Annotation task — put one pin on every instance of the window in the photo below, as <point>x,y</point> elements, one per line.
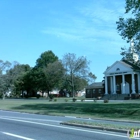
<point>93,90</point>
<point>88,91</point>
<point>99,90</point>
<point>117,69</point>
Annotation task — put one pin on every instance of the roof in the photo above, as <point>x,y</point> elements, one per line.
<point>95,85</point>
<point>131,64</point>
<point>122,66</point>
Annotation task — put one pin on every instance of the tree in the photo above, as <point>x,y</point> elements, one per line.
<point>15,77</point>
<point>80,83</point>
<point>4,66</point>
<point>48,72</point>
<point>129,28</point>
<point>92,77</point>
<point>53,75</point>
<point>75,67</point>
<point>46,58</point>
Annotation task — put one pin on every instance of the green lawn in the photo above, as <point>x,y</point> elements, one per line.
<point>129,110</point>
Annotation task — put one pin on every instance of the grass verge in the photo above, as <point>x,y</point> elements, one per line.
<point>112,110</point>
<point>103,125</point>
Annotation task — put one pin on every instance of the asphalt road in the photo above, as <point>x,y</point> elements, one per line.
<point>22,126</point>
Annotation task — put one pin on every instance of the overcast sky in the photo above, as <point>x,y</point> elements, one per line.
<point>84,27</point>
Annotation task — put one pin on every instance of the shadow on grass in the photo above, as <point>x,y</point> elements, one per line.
<point>130,111</point>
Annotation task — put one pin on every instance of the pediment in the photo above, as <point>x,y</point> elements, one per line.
<point>119,67</point>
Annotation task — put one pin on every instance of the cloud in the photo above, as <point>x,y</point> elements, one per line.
<point>63,33</point>
<point>92,24</point>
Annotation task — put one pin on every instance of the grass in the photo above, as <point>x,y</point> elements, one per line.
<point>129,110</point>
<point>104,125</point>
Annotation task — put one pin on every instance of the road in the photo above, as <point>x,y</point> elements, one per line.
<point>22,126</point>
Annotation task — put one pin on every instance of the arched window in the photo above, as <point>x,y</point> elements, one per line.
<point>117,69</point>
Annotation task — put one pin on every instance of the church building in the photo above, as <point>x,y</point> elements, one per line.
<point>122,77</point>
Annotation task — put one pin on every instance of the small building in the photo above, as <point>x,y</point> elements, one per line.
<point>81,93</point>
<point>95,90</point>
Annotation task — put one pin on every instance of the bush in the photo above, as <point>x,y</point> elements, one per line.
<point>1,95</point>
<point>74,99</point>
<point>55,100</point>
<point>66,100</point>
<point>37,96</point>
<point>51,96</point>
<point>95,100</point>
<point>106,101</point>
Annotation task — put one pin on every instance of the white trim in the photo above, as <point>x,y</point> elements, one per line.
<point>121,63</point>
<point>106,85</point>
<point>111,84</point>
<point>114,84</point>
<point>133,83</point>
<point>123,84</point>
<point>138,76</point>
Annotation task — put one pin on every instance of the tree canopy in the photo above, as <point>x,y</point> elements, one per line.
<point>129,28</point>
<point>77,68</point>
<point>4,66</point>
<point>44,76</point>
<point>46,58</point>
<point>70,73</point>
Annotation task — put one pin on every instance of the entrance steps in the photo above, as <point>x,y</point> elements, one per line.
<point>115,97</point>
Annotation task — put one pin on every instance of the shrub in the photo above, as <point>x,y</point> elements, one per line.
<point>74,99</point>
<point>55,100</point>
<point>1,95</point>
<point>51,96</point>
<point>37,96</point>
<point>66,100</point>
<point>95,100</point>
<point>106,101</point>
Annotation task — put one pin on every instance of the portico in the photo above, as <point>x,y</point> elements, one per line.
<point>122,78</point>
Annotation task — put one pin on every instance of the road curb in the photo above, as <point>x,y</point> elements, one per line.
<point>95,127</point>
<point>113,120</point>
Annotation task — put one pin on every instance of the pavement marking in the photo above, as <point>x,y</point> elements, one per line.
<point>17,136</point>
<point>70,117</point>
<point>70,128</point>
<point>31,119</point>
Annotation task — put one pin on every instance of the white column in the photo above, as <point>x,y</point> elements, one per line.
<point>123,84</point>
<point>106,85</point>
<point>133,83</point>
<point>138,75</point>
<point>111,84</point>
<point>114,84</point>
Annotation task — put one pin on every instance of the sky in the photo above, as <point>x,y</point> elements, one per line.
<point>83,27</point>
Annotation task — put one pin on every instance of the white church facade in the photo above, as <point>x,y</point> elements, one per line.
<point>122,78</point>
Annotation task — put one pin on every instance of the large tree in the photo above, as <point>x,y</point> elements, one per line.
<point>53,75</point>
<point>129,28</point>
<point>48,72</point>
<point>46,58</point>
<point>75,67</point>
<point>15,77</point>
<point>4,66</point>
